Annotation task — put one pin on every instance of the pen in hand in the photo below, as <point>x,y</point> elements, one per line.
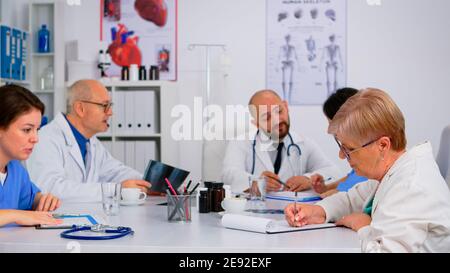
<point>279,181</point>
<point>295,209</point>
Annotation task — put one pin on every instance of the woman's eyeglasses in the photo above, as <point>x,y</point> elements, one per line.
<point>347,151</point>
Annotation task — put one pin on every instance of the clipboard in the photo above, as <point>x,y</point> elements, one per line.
<point>71,220</point>
<point>302,197</point>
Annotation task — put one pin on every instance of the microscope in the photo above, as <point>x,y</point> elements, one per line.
<point>104,62</point>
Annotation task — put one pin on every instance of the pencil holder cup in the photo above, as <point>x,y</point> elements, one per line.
<point>179,208</point>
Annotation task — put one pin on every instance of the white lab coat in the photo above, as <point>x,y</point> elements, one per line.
<point>57,167</point>
<point>411,208</point>
<point>238,160</point>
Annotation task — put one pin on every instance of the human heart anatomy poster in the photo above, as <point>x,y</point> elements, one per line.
<point>141,32</point>
<point>306,49</point>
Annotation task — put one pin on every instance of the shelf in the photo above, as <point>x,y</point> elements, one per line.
<point>129,83</point>
<point>51,54</point>
<point>42,2</point>
<point>127,144</point>
<point>48,91</point>
<point>3,80</point>
<point>131,136</point>
<point>104,136</point>
<point>49,13</point>
<point>140,136</point>
<point>135,83</point>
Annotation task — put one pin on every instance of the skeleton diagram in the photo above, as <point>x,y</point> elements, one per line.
<point>287,55</point>
<point>311,48</point>
<point>332,54</point>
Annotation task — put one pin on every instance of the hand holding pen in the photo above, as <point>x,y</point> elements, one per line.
<point>298,215</point>
<point>299,183</point>
<point>295,215</point>
<point>273,182</point>
<point>318,183</point>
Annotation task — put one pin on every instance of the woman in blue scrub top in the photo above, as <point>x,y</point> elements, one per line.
<point>330,108</point>
<point>21,202</point>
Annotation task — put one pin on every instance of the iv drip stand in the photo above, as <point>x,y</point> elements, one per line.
<point>208,48</point>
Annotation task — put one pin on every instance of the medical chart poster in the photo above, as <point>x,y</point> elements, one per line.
<point>142,32</point>
<point>306,49</point>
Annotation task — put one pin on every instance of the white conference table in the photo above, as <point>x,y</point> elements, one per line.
<point>154,234</point>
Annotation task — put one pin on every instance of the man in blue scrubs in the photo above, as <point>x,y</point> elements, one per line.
<point>330,108</point>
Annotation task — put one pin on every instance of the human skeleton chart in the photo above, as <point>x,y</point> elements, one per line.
<point>306,49</point>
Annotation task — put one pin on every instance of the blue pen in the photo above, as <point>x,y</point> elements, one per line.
<point>310,199</point>
<point>279,181</point>
<point>305,199</point>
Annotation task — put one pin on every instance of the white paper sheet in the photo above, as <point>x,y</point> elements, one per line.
<point>290,194</point>
<point>265,225</point>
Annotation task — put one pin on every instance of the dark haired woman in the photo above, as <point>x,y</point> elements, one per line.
<point>20,118</point>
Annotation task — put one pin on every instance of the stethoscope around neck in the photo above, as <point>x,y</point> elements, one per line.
<point>291,146</point>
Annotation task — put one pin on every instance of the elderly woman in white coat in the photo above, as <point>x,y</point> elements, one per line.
<point>405,207</point>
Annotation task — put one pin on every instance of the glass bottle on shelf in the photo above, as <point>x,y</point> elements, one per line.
<point>47,78</point>
<point>44,40</point>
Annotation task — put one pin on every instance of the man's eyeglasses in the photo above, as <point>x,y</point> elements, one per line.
<point>106,106</point>
<point>347,151</point>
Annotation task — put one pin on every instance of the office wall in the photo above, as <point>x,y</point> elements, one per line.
<point>14,13</point>
<point>401,46</point>
<point>82,23</point>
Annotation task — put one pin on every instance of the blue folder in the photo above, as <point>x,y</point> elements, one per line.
<point>5,37</point>
<point>17,42</point>
<point>23,66</point>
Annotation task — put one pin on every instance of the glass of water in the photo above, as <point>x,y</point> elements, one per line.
<point>257,188</point>
<point>111,198</point>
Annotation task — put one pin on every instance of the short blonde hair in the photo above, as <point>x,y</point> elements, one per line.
<point>368,115</point>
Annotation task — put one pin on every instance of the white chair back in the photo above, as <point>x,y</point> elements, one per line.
<point>443,157</point>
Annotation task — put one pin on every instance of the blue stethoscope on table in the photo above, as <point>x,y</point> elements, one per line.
<point>112,232</point>
<point>291,146</point>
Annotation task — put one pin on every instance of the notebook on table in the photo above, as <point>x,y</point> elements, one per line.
<point>302,197</point>
<point>265,225</point>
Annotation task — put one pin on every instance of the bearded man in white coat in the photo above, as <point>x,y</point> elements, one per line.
<point>275,152</point>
